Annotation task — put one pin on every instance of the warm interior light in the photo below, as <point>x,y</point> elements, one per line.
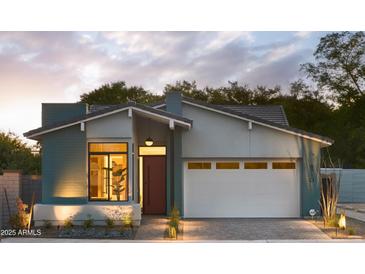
<point>148,142</point>
<point>342,222</point>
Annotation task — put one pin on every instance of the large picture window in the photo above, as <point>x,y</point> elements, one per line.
<point>108,171</point>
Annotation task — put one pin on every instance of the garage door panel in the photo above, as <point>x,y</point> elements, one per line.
<point>241,193</point>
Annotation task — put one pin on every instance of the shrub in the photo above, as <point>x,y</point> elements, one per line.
<point>109,223</point>
<point>333,222</point>
<point>174,219</point>
<point>68,224</point>
<point>172,232</point>
<point>174,223</point>
<point>127,220</point>
<point>47,224</point>
<point>351,231</point>
<point>21,218</point>
<point>329,192</point>
<point>89,222</point>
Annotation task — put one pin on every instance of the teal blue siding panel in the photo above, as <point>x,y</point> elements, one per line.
<point>168,177</point>
<point>174,105</point>
<point>310,176</point>
<point>55,113</point>
<point>64,173</point>
<point>178,171</point>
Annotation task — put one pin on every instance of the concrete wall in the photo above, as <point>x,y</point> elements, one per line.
<point>10,181</point>
<point>352,184</point>
<point>57,214</point>
<point>217,135</point>
<point>17,185</point>
<point>30,184</point>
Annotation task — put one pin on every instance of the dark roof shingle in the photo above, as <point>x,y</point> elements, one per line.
<point>273,113</point>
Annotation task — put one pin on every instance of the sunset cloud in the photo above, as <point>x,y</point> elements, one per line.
<point>38,67</point>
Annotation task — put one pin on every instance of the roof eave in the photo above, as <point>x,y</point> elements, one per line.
<point>301,133</point>
<point>180,121</point>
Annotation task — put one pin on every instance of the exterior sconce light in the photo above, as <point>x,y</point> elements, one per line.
<point>148,142</point>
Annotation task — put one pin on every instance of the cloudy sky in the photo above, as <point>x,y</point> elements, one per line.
<point>38,67</point>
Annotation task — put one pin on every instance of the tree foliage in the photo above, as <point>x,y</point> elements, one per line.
<point>332,103</point>
<point>339,67</point>
<point>118,93</point>
<point>15,154</point>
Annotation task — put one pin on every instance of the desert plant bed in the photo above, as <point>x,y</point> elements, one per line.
<point>355,229</point>
<point>95,232</point>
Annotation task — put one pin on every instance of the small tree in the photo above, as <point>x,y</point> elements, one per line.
<point>15,154</point>
<point>21,218</point>
<point>329,192</point>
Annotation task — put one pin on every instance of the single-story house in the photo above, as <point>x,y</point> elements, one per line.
<point>209,161</point>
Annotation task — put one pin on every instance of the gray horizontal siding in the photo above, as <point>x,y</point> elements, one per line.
<point>352,186</point>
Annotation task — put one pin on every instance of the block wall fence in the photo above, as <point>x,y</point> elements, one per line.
<point>17,185</point>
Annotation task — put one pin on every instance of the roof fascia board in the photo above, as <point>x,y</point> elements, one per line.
<point>188,125</point>
<point>107,114</point>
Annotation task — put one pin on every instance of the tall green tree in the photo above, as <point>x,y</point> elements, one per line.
<point>118,93</point>
<point>15,154</point>
<point>339,67</point>
<point>232,94</point>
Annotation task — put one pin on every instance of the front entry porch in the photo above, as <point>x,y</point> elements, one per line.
<point>153,191</point>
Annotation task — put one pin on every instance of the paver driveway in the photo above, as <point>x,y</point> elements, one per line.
<point>251,229</point>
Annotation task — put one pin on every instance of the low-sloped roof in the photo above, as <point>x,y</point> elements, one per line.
<point>261,121</point>
<point>273,113</point>
<point>96,113</point>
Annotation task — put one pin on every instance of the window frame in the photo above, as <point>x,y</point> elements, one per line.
<point>272,165</point>
<point>202,163</point>
<point>250,162</point>
<point>108,182</point>
<point>225,168</point>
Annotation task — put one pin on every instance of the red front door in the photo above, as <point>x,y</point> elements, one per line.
<point>154,185</point>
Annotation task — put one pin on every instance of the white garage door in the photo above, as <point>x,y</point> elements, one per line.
<point>245,189</point>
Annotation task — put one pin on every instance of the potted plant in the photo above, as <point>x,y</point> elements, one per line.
<point>118,185</point>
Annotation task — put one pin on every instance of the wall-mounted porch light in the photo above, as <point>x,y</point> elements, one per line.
<point>148,142</point>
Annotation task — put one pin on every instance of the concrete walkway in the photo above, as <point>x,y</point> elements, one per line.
<point>152,228</point>
<point>251,229</point>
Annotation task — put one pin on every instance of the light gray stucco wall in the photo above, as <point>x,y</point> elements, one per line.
<point>214,135</point>
<point>117,125</point>
<point>217,135</point>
